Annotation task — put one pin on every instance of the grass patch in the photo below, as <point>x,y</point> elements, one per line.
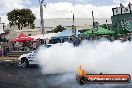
<point>2,58</point>
<point>9,59</point>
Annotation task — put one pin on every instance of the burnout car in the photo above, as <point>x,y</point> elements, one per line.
<point>27,59</point>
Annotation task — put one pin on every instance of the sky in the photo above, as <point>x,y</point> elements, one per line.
<point>63,8</point>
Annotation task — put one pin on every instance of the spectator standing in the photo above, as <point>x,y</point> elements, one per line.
<point>0,49</point>
<point>34,46</point>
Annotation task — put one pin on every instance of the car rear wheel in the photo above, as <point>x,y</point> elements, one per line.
<point>24,63</point>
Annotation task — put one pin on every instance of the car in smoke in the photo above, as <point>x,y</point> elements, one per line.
<point>83,78</point>
<point>27,59</point>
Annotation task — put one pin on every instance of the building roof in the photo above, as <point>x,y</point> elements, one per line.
<point>66,22</point>
<point>26,30</point>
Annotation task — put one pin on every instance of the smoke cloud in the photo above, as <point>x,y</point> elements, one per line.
<point>95,57</point>
<point>62,61</point>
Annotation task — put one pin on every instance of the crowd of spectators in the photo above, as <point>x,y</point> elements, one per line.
<point>77,40</point>
<point>6,47</point>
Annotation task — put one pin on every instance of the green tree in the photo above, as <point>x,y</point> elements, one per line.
<point>21,18</point>
<point>59,28</point>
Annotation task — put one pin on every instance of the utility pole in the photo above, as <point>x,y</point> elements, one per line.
<point>93,29</point>
<point>73,26</point>
<point>41,16</point>
<point>3,24</point>
<point>93,19</point>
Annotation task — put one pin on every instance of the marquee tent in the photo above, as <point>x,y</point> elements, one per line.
<point>22,38</point>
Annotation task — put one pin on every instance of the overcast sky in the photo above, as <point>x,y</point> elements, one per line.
<point>64,8</point>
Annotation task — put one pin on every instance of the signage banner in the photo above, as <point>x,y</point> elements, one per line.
<point>115,11</point>
<point>125,10</point>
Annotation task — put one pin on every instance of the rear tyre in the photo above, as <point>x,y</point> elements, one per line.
<point>25,63</point>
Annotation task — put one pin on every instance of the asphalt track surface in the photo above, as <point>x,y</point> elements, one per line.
<point>13,76</point>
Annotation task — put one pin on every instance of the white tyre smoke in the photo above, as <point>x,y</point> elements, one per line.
<point>100,56</point>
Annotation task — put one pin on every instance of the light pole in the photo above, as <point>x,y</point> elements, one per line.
<point>73,25</point>
<point>93,19</point>
<point>41,16</point>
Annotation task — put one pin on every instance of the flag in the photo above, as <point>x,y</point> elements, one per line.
<point>121,6</point>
